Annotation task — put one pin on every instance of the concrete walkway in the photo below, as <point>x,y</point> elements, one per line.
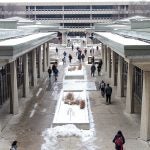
<point>37,111</point>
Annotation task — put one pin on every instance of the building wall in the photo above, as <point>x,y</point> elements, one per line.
<point>74,14</point>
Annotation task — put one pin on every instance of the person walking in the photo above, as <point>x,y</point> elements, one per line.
<point>53,68</point>
<point>82,57</point>
<point>98,69</point>
<point>70,57</point>
<point>93,68</point>
<point>14,145</point>
<point>85,51</point>
<point>72,47</point>
<point>102,88</point>
<point>64,60</point>
<point>49,72</point>
<point>64,53</point>
<point>108,91</point>
<point>56,73</point>
<point>119,140</point>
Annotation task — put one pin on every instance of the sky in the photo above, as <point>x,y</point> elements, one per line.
<point>78,1</point>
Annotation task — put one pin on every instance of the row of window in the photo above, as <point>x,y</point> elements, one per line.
<point>47,16</point>
<point>77,7</point>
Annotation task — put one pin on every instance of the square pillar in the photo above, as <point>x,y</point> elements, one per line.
<point>113,68</point>
<point>26,76</point>
<point>44,58</point>
<point>48,57</point>
<point>145,112</point>
<point>105,58</point>
<point>119,77</point>
<point>34,75</point>
<point>109,62</point>
<point>102,52</point>
<point>129,95</point>
<point>14,105</point>
<point>40,68</point>
<point>64,38</point>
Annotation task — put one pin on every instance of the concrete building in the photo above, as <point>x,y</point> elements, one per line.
<point>125,50</point>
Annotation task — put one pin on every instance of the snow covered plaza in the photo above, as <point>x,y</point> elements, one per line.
<point>70,113</point>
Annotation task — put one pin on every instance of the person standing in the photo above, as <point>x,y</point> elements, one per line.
<point>108,91</point>
<point>102,88</point>
<point>119,140</point>
<point>97,48</point>
<point>14,145</point>
<point>93,68</point>
<point>93,59</point>
<point>49,72</point>
<point>70,58</point>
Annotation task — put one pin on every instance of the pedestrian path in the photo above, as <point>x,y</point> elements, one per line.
<point>106,120</point>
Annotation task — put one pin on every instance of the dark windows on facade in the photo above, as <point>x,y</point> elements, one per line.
<point>76,7</point>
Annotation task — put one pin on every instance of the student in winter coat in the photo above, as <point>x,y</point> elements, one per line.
<point>119,140</point>
<point>14,145</point>
<point>93,68</point>
<point>70,58</point>
<point>108,91</point>
<point>49,72</point>
<point>82,56</point>
<point>102,88</point>
<point>53,68</point>
<point>56,73</point>
<point>98,69</point>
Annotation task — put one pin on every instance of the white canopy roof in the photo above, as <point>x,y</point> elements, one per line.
<point>69,1</point>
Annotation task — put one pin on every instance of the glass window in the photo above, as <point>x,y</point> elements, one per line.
<point>102,7</point>
<point>77,7</point>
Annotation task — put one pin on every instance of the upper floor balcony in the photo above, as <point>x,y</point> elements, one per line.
<point>73,20</point>
<point>67,11</point>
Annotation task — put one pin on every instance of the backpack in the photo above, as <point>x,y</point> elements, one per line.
<point>119,141</point>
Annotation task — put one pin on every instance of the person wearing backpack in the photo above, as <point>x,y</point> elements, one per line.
<point>14,145</point>
<point>119,140</point>
<point>102,88</point>
<point>108,92</point>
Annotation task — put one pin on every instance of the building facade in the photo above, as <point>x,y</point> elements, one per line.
<point>82,14</point>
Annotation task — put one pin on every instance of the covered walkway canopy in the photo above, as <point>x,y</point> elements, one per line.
<point>135,51</point>
<point>12,48</point>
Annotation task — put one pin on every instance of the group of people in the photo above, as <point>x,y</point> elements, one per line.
<point>93,67</point>
<point>53,70</point>
<point>106,89</point>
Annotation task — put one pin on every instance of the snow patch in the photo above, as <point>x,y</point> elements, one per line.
<point>51,136</point>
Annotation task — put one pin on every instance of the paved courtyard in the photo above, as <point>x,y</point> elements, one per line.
<point>37,112</point>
